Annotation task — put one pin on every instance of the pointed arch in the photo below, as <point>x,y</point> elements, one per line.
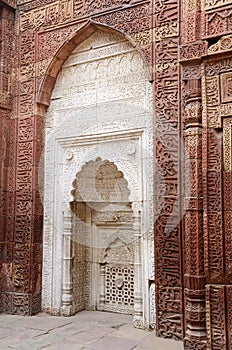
<point>48,82</point>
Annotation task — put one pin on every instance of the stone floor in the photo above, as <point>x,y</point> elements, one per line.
<point>87,330</point>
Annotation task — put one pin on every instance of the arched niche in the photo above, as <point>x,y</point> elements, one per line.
<point>100,108</point>
<point>103,274</point>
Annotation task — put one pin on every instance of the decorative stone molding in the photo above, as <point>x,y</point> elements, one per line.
<point>209,4</point>
<point>193,51</point>
<point>224,44</point>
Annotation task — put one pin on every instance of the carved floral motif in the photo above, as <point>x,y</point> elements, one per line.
<point>218,22</point>
<point>193,51</point>
<point>223,44</point>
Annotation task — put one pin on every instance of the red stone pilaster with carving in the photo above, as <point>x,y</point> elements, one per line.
<point>217,198</point>
<point>194,278</point>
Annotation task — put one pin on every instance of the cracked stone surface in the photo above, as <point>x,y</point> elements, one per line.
<point>87,330</point>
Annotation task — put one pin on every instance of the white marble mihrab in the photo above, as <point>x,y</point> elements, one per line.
<point>101,107</point>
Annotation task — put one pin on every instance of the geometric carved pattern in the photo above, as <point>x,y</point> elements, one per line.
<point>218,22</point>
<point>119,285</point>
<point>79,271</point>
<point>119,277</point>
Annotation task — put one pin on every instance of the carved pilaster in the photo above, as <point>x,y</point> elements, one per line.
<point>138,299</point>
<point>194,280</point>
<point>102,286</point>
<point>67,308</point>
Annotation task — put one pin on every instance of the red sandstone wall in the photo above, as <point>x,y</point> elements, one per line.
<point>192,98</point>
<point>6,206</point>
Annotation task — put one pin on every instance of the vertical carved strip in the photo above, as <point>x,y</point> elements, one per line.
<point>6,38</point>
<point>229,315</point>
<point>227,192</point>
<point>212,182</point>
<point>217,225</point>
<point>214,238</point>
<point>227,206</point>
<point>216,318</point>
<point>167,190</point>
<point>191,20</point>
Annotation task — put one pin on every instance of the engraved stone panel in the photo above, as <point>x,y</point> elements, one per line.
<point>226,87</point>
<point>52,14</point>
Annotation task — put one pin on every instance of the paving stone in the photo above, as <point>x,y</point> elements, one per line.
<point>70,329</point>
<point>20,340</point>
<point>63,345</point>
<point>4,318</point>
<point>128,331</point>
<point>113,343</point>
<point>85,331</point>
<point>44,323</point>
<point>91,334</point>
<point>151,342</point>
